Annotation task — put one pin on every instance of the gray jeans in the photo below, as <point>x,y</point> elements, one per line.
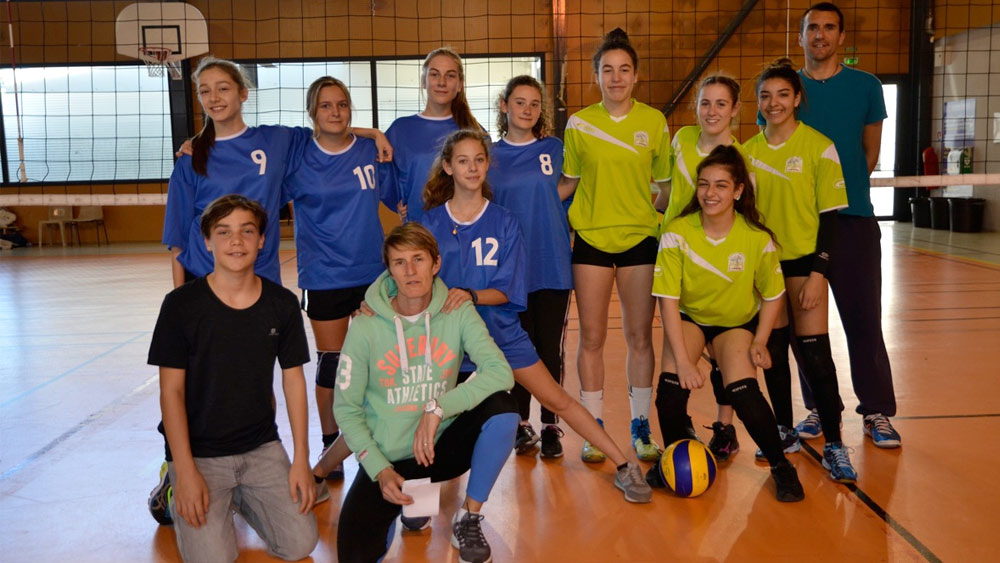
<point>255,485</point>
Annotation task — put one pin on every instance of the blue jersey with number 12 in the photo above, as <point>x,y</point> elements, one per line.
<point>338,234</point>
<point>524,178</point>
<point>251,163</point>
<point>486,253</point>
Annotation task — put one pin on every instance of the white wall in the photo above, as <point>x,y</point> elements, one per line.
<point>967,65</point>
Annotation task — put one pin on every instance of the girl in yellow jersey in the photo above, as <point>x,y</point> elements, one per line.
<point>717,268</point>
<point>718,103</point>
<point>614,149</point>
<point>801,187</point>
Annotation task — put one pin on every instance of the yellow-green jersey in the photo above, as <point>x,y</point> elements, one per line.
<point>685,156</point>
<point>796,181</point>
<point>615,158</point>
<point>718,282</point>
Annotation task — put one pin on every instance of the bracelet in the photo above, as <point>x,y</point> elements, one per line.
<point>474,295</point>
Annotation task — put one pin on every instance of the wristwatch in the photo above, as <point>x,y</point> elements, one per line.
<point>433,407</point>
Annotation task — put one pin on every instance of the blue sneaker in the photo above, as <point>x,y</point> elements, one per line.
<point>810,427</point>
<point>789,442</point>
<point>837,460</point>
<point>645,448</point>
<point>881,431</point>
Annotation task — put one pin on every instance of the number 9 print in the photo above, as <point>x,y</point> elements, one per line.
<point>259,157</point>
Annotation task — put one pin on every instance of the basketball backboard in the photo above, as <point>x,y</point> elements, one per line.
<point>161,33</point>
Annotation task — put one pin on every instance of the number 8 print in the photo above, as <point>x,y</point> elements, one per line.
<point>546,161</point>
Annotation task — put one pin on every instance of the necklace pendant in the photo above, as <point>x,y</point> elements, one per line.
<point>454,230</point>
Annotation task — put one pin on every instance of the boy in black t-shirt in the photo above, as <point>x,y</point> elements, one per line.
<point>216,341</point>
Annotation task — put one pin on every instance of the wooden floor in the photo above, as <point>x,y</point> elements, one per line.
<point>79,451</point>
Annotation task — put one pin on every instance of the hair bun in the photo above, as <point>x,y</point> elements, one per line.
<point>617,35</point>
<point>783,61</point>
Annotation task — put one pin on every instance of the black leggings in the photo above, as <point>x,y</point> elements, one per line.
<point>365,517</point>
<point>545,322</point>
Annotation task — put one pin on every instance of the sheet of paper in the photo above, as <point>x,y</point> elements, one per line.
<point>426,497</point>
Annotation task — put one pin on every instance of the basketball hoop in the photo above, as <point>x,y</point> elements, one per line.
<point>157,61</point>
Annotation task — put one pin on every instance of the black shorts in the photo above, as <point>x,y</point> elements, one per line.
<point>711,332</point>
<point>641,254</point>
<point>799,267</point>
<point>332,304</point>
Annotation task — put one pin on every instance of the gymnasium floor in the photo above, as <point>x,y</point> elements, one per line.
<point>79,451</point>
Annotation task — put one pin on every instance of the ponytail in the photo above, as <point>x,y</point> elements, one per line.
<point>460,110</point>
<point>202,143</point>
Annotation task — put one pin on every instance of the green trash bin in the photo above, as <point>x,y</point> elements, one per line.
<point>966,214</point>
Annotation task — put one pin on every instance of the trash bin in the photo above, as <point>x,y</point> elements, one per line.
<point>940,213</point>
<point>920,208</point>
<point>967,214</point>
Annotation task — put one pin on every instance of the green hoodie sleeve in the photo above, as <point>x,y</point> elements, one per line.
<point>349,398</point>
<point>492,370</point>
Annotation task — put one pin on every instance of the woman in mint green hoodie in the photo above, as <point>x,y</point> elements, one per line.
<point>399,406</point>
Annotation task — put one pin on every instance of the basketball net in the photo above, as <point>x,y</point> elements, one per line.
<point>156,59</point>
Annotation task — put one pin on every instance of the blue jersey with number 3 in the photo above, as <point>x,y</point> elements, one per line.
<point>487,253</point>
<point>251,163</point>
<point>525,178</point>
<point>338,234</point>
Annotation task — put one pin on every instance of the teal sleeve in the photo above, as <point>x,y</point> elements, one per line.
<point>493,373</point>
<point>349,399</point>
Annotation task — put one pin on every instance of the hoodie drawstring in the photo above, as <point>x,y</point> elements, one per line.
<point>401,342</point>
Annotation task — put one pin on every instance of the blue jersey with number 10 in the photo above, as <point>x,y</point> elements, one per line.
<point>487,253</point>
<point>416,141</point>
<point>525,178</point>
<point>251,163</point>
<point>338,234</point>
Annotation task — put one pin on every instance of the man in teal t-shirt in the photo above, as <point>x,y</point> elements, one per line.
<point>847,106</point>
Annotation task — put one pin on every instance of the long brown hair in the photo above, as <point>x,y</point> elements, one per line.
<point>729,157</point>
<point>440,185</point>
<point>203,142</point>
<point>543,125</point>
<point>460,111</point>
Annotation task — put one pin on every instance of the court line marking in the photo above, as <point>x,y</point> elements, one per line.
<point>868,501</point>
<point>952,257</point>
<point>24,394</point>
<point>948,319</point>
<point>93,417</point>
<point>939,416</point>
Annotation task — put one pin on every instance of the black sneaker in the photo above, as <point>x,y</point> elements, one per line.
<point>653,476</point>
<point>160,498</point>
<point>691,432</point>
<point>723,443</point>
<point>414,524</point>
<point>551,446</point>
<point>786,482</point>
<point>467,536</point>
<point>526,439</point>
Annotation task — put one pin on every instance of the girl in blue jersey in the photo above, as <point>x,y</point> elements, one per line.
<point>800,185</point>
<point>719,284</point>
<point>417,139</point>
<point>717,104</point>
<point>614,149</point>
<point>524,175</point>
<point>483,261</point>
<point>227,157</point>
<point>334,185</point>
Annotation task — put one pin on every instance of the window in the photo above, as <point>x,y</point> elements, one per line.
<point>113,122</point>
<point>882,198</point>
<point>87,123</point>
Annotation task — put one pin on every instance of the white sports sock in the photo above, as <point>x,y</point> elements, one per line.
<point>639,399</point>
<point>593,401</point>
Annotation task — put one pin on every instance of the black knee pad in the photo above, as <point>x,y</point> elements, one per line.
<point>718,387</point>
<point>777,344</point>
<point>326,368</point>
<point>744,390</point>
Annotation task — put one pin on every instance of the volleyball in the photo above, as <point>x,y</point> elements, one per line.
<point>688,468</point>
